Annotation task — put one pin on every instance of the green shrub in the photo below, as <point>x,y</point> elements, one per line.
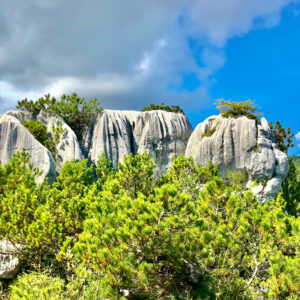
<point>43,286</point>
<point>18,171</point>
<point>57,132</point>
<point>45,217</point>
<point>171,245</point>
<point>136,174</point>
<point>211,131</point>
<point>185,235</point>
<point>104,170</point>
<point>234,109</point>
<point>290,189</point>
<point>237,178</point>
<point>77,112</point>
<point>284,137</point>
<point>39,131</point>
<point>296,160</point>
<point>174,108</point>
<point>37,286</point>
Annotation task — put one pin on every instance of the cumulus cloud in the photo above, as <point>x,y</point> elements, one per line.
<point>297,137</point>
<point>221,20</point>
<point>126,53</point>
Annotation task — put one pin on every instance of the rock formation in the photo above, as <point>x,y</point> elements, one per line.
<point>231,144</point>
<point>241,145</point>
<point>68,147</point>
<point>163,135</point>
<point>9,263</point>
<point>14,137</point>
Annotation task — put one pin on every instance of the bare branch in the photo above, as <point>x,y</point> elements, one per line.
<point>257,268</point>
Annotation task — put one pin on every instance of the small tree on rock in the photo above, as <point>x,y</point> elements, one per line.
<point>283,136</point>
<point>235,109</point>
<point>77,112</point>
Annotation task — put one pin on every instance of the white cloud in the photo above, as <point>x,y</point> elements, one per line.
<point>102,84</point>
<point>125,53</point>
<point>9,95</point>
<point>221,20</point>
<point>297,137</point>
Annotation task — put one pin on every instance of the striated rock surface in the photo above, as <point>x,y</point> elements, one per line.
<point>68,147</point>
<point>241,145</point>
<point>110,133</point>
<point>14,137</point>
<point>9,263</point>
<point>231,144</point>
<point>163,135</point>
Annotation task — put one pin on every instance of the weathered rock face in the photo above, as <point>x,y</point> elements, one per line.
<point>110,133</point>
<point>14,137</point>
<point>231,144</point>
<point>162,134</point>
<point>241,145</point>
<point>9,263</point>
<point>68,147</point>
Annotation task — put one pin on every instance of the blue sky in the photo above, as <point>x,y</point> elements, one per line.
<point>264,66</point>
<point>129,54</point>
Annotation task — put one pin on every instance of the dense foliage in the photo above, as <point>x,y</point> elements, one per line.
<point>284,137</point>
<point>76,111</point>
<point>173,108</point>
<point>296,160</point>
<point>127,235</point>
<point>290,189</point>
<point>233,109</point>
<point>40,132</point>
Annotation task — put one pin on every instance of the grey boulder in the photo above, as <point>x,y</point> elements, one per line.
<point>9,263</point>
<point>241,145</point>
<point>68,147</point>
<point>14,137</point>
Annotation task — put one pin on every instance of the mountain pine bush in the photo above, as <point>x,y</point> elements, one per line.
<point>127,235</point>
<point>173,108</point>
<point>233,109</point>
<point>77,112</point>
